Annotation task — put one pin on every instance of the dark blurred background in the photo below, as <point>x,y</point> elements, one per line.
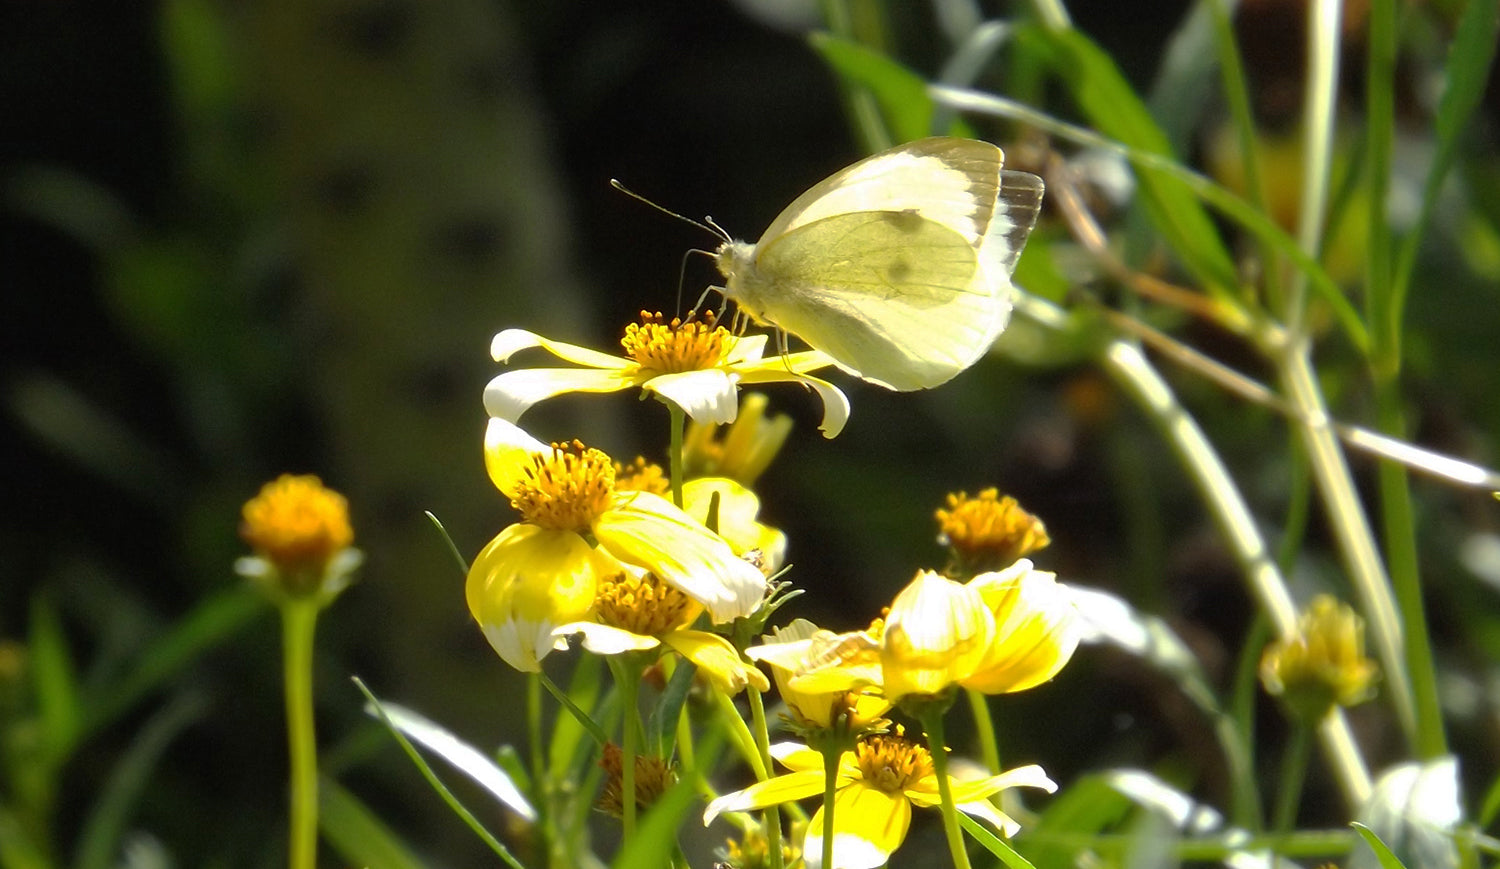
<point>247,238</point>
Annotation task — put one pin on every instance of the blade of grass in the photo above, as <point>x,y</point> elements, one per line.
<point>55,680</point>
<point>358,835</point>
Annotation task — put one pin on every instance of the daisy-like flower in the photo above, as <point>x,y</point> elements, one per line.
<point>878,783</point>
<point>697,365</point>
<point>988,532</point>
<point>542,572</point>
<point>635,611</point>
<point>302,539</point>
<point>1324,665</point>
<point>801,648</point>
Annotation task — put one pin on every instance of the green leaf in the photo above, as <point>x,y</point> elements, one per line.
<point>901,94</point>
<point>656,835</point>
<point>464,757</point>
<point>661,729</point>
<point>992,843</point>
<point>355,832</point>
<point>1382,853</point>
<point>55,679</point>
<point>99,841</point>
<point>1114,108</point>
<point>213,621</point>
<point>1083,810</point>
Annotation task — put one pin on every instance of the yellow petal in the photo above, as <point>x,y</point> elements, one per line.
<point>738,509</point>
<point>511,394</point>
<point>868,826</point>
<point>935,635</point>
<point>508,452</point>
<point>774,791</point>
<point>1037,628</point>
<point>835,403</point>
<point>527,581</point>
<point>718,660</point>
<point>512,341</point>
<point>648,531</point>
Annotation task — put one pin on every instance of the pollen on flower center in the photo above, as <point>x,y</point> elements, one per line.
<point>891,762</point>
<point>671,347</point>
<point>992,526</point>
<point>642,605</point>
<point>295,522</point>
<point>566,489</point>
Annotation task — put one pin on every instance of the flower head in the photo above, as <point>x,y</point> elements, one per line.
<point>801,649</point>
<point>877,785</point>
<point>988,532</point>
<point>634,611</point>
<point>653,777</point>
<point>1324,665</point>
<point>301,536</point>
<point>543,571</point>
<point>694,364</point>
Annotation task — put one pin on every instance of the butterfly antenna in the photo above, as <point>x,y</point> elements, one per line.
<point>709,227</point>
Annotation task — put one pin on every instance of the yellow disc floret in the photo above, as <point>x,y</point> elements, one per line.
<point>670,347</point>
<point>566,489</point>
<point>296,524</point>
<point>643,605</point>
<point>989,532</point>
<point>891,762</point>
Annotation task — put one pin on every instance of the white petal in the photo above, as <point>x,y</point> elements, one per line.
<point>606,639</point>
<point>707,395</point>
<point>511,394</point>
<point>835,403</point>
<point>512,341</point>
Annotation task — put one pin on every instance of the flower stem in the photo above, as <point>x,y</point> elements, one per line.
<point>772,819</point>
<point>299,619</point>
<point>678,424</point>
<point>1293,771</point>
<point>931,717</point>
<point>831,756</point>
<point>984,728</point>
<point>629,679</point>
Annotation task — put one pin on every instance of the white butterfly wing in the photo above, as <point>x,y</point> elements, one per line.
<point>952,181</point>
<point>893,297</point>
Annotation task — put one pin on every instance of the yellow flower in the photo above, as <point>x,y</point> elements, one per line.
<point>988,532</point>
<point>302,538</point>
<point>746,449</point>
<point>1324,664</point>
<point>1001,632</point>
<point>736,523</point>
<point>696,365</point>
<point>937,634</point>
<point>634,611</point>
<point>878,783</point>
<point>802,648</point>
<point>1037,629</point>
<point>542,572</point>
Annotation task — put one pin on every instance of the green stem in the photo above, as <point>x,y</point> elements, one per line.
<point>772,818</point>
<point>1222,498</point>
<point>984,728</point>
<point>674,458</point>
<point>832,754</point>
<point>582,717</point>
<point>629,679</point>
<point>1293,773</point>
<point>932,722</point>
<point>299,620</point>
<point>1323,20</point>
<point>534,726</point>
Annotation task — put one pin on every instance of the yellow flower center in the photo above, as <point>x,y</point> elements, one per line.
<point>891,762</point>
<point>643,605</point>
<point>671,347</point>
<point>296,523</point>
<point>566,489</point>
<point>642,476</point>
<point>989,531</point>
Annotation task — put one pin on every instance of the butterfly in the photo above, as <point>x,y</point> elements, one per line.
<point>898,267</point>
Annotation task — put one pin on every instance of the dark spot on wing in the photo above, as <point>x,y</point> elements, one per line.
<point>907,221</point>
<point>898,271</point>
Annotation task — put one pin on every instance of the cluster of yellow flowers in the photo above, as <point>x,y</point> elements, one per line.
<point>621,566</point>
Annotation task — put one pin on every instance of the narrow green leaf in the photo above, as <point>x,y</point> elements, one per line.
<point>992,843</point>
<point>17,849</point>
<point>1469,62</point>
<point>1115,109</point>
<point>55,679</point>
<point>1382,853</point>
<point>355,832</point>
<point>901,93</point>
<point>1491,807</point>
<point>661,729</point>
<point>213,621</point>
<point>99,840</point>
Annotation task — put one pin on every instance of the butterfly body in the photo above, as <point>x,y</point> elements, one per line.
<point>898,267</point>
